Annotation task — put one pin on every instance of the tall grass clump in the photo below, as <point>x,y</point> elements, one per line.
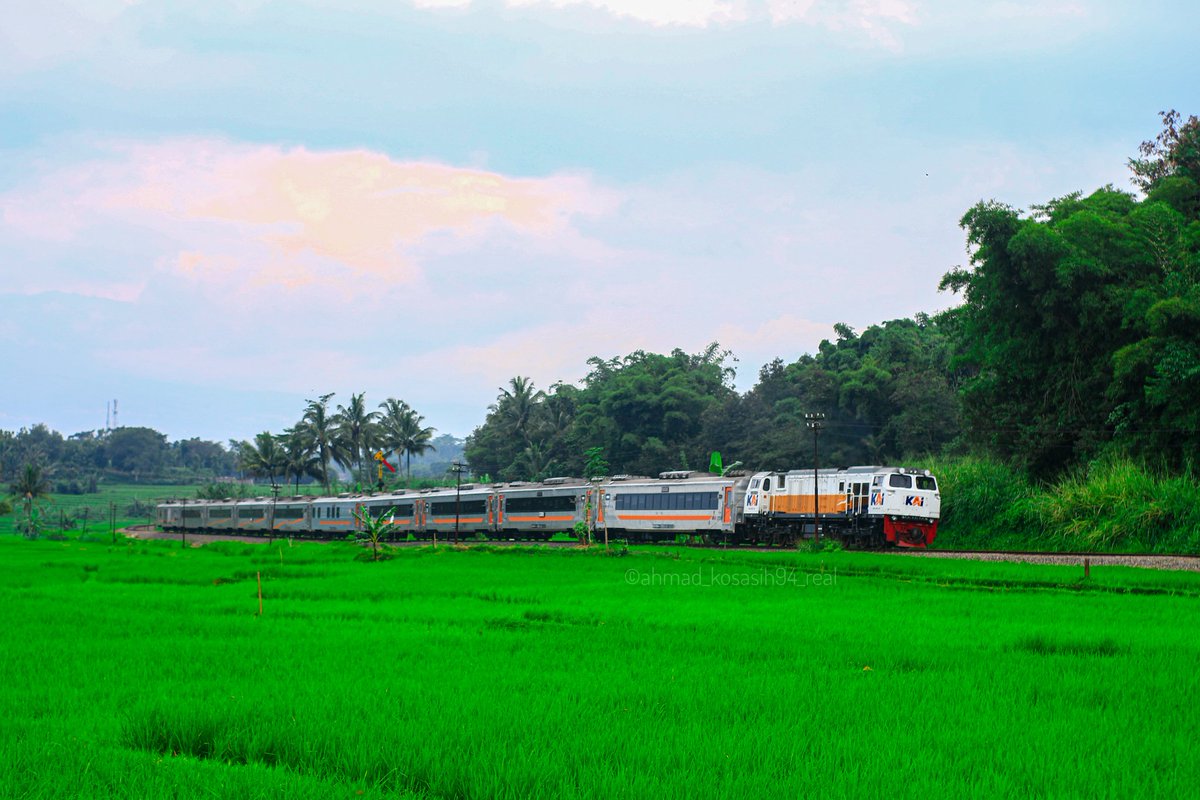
<point>1112,504</point>
<point>1117,504</point>
<point>986,503</point>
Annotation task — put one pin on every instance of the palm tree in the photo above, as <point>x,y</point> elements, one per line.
<point>517,404</point>
<point>264,457</point>
<point>318,428</point>
<point>402,432</point>
<point>356,429</point>
<point>299,456</point>
<point>32,484</point>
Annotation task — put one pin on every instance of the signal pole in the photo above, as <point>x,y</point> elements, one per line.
<point>815,422</point>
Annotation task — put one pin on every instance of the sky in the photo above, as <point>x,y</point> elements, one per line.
<point>212,211</point>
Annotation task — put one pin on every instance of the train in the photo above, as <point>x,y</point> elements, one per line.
<point>861,507</point>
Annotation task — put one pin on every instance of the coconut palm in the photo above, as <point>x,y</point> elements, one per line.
<point>264,457</point>
<point>299,456</point>
<point>356,430</point>
<point>402,433</point>
<point>517,404</point>
<point>318,428</point>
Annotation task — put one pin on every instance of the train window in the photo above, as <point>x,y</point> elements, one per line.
<point>449,507</point>
<point>900,481</point>
<point>926,483</point>
<point>754,483</point>
<point>766,484</point>
<point>564,502</point>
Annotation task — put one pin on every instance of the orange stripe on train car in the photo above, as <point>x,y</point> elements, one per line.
<point>664,516</point>
<point>450,520</point>
<point>567,518</point>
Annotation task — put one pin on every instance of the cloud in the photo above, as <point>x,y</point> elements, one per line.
<point>287,217</point>
<point>690,13</point>
<point>876,18</point>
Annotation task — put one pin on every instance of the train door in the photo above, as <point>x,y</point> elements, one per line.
<point>856,497</point>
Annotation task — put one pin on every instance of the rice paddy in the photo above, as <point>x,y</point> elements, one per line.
<point>145,670</point>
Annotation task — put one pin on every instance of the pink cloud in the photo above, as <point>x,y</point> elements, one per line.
<point>291,217</point>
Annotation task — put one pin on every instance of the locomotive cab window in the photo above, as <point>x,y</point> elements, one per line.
<point>897,481</point>
<point>766,484</point>
<point>926,483</point>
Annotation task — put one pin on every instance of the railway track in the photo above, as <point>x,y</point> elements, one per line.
<point>1173,561</point>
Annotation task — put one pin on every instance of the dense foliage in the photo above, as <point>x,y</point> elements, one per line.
<point>1081,321</point>
<point>645,411</point>
<point>76,464</point>
<point>886,394</point>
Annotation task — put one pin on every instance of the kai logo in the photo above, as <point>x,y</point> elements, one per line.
<point>752,500</point>
<point>914,500</point>
<point>876,498</point>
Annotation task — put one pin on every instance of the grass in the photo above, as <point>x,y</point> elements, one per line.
<point>1108,506</point>
<point>97,507</point>
<point>143,670</point>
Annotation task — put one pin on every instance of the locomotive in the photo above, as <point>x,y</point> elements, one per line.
<point>867,506</point>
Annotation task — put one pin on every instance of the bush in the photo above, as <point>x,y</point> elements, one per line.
<point>1112,504</point>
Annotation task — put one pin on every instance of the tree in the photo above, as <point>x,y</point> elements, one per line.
<point>264,457</point>
<point>300,458</point>
<point>318,429</point>
<point>32,484</point>
<point>1174,153</point>
<point>402,433</point>
<point>356,430</point>
<point>1079,324</point>
<point>136,450</point>
<point>516,406</point>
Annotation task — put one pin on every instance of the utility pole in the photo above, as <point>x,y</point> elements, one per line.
<point>271,524</point>
<point>457,468</point>
<point>815,421</point>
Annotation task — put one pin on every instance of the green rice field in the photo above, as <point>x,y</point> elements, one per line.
<point>88,514</point>
<point>145,670</point>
